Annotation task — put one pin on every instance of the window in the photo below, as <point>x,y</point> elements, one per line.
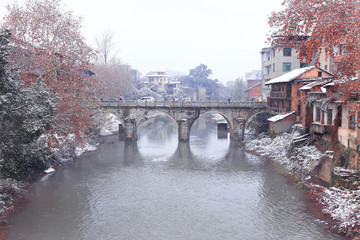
<point>266,56</point>
<point>318,116</point>
<point>286,66</point>
<point>329,116</point>
<point>287,52</point>
<point>298,92</point>
<point>344,51</point>
<point>340,117</point>
<point>319,74</point>
<point>302,65</point>
<point>273,67</point>
<point>267,70</point>
<point>352,121</point>
<point>298,110</point>
<point>326,67</point>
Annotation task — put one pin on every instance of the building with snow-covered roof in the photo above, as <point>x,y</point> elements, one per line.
<point>286,95</point>
<point>281,122</point>
<point>163,82</point>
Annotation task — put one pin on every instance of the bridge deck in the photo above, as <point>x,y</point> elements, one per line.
<point>197,104</point>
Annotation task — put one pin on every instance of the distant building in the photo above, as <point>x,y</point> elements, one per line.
<point>254,86</point>
<point>276,61</point>
<point>329,62</point>
<point>163,82</point>
<point>134,73</point>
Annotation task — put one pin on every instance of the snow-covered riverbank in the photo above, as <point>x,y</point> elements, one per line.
<point>12,193</point>
<point>341,205</point>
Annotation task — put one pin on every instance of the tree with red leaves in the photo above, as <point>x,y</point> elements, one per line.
<point>332,27</point>
<point>47,43</point>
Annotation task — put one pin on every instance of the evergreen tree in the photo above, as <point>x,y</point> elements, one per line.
<point>199,77</point>
<point>25,115</point>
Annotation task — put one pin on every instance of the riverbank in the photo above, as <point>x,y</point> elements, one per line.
<point>339,206</point>
<point>13,193</point>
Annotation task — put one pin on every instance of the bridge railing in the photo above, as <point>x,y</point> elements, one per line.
<point>213,103</point>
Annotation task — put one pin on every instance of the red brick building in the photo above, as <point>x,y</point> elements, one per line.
<point>254,90</point>
<point>285,93</point>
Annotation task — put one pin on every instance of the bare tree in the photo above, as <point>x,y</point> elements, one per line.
<point>106,47</point>
<point>114,79</point>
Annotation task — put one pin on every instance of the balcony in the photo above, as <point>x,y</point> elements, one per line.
<point>280,94</point>
<point>321,128</point>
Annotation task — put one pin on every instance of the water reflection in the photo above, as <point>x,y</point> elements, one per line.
<point>157,138</point>
<point>132,156</point>
<point>159,188</point>
<point>158,143</point>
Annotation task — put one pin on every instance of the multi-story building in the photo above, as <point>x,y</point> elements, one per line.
<point>286,95</point>
<point>276,61</point>
<point>134,73</point>
<point>164,82</point>
<point>328,61</point>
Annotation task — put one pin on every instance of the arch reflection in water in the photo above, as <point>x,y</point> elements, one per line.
<point>158,141</point>
<point>157,138</point>
<point>204,140</point>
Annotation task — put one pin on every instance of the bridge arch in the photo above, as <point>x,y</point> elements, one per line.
<point>258,122</point>
<point>236,115</point>
<point>154,114</point>
<point>227,118</point>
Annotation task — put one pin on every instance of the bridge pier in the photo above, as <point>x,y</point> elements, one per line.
<point>183,130</point>
<point>130,130</point>
<point>238,129</point>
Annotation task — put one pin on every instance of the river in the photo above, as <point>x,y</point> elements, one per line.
<point>159,189</point>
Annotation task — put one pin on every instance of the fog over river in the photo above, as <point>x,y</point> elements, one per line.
<point>158,188</point>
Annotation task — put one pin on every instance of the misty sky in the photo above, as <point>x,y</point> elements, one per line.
<point>178,35</point>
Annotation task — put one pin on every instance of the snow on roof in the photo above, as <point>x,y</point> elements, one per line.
<point>316,83</point>
<point>280,117</point>
<point>288,77</point>
<point>329,85</point>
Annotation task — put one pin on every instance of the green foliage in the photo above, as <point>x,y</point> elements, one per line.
<point>259,124</point>
<point>25,115</point>
<point>199,77</point>
<point>200,72</point>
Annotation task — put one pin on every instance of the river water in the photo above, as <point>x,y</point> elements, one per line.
<point>158,188</point>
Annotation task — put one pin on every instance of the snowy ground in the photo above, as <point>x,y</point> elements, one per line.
<point>342,205</point>
<point>107,123</point>
<point>303,159</point>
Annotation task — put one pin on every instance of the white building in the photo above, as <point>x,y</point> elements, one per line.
<point>163,82</point>
<point>277,60</point>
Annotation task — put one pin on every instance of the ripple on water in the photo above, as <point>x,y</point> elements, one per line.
<point>208,189</point>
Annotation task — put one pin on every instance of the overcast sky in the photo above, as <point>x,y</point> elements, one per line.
<point>178,35</point>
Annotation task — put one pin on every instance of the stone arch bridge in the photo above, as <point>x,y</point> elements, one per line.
<point>131,114</point>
